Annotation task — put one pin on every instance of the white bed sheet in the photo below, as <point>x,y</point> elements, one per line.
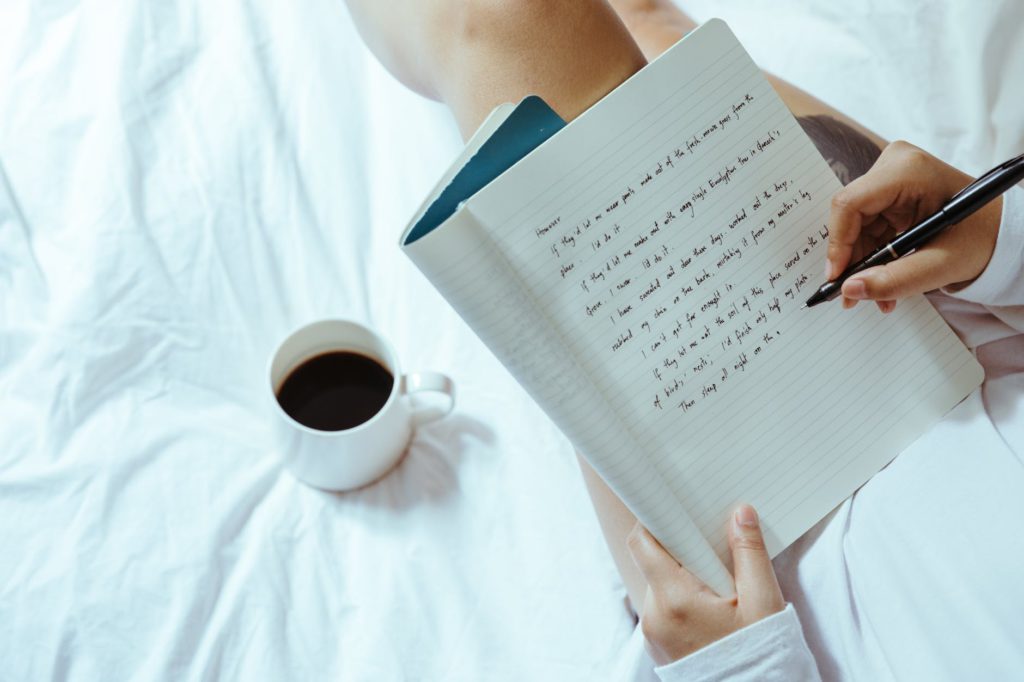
<point>181,183</point>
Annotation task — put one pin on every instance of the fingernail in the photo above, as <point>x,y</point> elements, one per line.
<point>829,269</point>
<point>745,517</point>
<point>855,289</point>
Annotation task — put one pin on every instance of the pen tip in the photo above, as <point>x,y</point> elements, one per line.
<point>803,306</point>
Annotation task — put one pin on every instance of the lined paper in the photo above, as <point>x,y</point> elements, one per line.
<point>461,261</point>
<point>663,243</point>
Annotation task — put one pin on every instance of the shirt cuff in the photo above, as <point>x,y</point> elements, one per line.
<point>770,649</point>
<point>1002,283</point>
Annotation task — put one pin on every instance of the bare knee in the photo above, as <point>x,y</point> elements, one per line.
<point>570,52</point>
<point>475,54</point>
<point>423,42</point>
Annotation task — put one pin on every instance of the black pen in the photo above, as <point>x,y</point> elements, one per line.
<point>965,202</point>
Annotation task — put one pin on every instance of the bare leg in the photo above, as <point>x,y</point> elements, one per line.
<point>476,54</point>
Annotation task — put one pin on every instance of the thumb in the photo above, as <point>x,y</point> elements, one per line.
<point>756,587</point>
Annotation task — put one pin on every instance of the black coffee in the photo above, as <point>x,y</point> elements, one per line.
<point>335,391</point>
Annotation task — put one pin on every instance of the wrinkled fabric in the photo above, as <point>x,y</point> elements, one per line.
<point>182,184</point>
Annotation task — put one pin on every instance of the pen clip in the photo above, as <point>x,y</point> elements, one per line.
<point>1002,166</point>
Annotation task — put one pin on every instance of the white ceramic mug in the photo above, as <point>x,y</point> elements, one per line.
<point>354,457</point>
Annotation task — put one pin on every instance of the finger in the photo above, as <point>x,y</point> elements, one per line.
<point>756,585</point>
<point>657,565</point>
<point>882,188</point>
<point>886,306</point>
<point>854,208</point>
<point>662,572</point>
<point>845,222</point>
<point>921,271</point>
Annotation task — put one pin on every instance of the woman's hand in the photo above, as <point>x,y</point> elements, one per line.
<point>681,614</point>
<point>905,186</point>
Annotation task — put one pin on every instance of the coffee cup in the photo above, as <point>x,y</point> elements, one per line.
<point>344,413</point>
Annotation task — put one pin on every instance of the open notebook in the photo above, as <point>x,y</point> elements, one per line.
<point>640,272</point>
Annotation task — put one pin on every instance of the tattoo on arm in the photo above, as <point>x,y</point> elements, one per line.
<point>849,152</point>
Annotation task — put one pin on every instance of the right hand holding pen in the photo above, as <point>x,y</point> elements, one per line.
<point>905,186</point>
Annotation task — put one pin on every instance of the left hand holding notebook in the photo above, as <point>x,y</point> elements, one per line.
<point>681,614</point>
<point>904,186</point>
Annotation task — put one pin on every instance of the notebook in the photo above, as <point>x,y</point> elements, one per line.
<point>640,272</point>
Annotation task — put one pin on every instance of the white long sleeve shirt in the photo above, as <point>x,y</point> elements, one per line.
<point>850,628</point>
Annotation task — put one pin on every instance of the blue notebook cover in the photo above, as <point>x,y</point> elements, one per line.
<point>526,128</point>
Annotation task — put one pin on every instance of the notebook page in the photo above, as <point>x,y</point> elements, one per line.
<point>461,261</point>
<point>673,231</point>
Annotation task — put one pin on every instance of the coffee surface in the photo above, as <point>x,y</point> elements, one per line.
<point>335,391</point>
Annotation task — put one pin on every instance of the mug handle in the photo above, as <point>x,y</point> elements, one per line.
<point>414,382</point>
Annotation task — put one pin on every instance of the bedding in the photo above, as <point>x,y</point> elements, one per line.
<point>182,184</point>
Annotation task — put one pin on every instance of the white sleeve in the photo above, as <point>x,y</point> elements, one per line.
<point>771,649</point>
<point>1002,282</point>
